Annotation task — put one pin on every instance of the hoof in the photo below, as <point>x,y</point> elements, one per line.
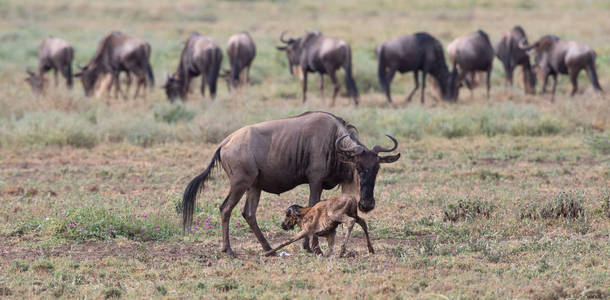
<point>270,253</point>
<point>317,251</point>
<point>229,252</point>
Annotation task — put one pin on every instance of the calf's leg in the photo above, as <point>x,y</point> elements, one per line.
<point>297,237</point>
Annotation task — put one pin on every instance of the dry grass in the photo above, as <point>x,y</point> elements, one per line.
<point>480,164</point>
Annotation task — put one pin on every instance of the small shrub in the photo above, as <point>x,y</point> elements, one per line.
<point>466,209</point>
<point>226,285</point>
<point>161,290</point>
<point>488,175</point>
<point>567,205</point>
<point>599,142</point>
<point>79,139</point>
<point>20,266</point>
<point>173,113</point>
<point>201,285</point>
<point>605,199</point>
<point>112,292</point>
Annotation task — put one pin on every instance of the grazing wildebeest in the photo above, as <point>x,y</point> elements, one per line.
<point>316,148</point>
<point>317,53</point>
<point>553,56</point>
<point>241,52</point>
<point>472,53</point>
<point>54,54</point>
<point>200,56</point>
<point>511,55</point>
<point>118,52</point>
<point>414,53</point>
<point>322,219</point>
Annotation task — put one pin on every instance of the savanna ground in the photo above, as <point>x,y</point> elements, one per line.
<point>507,198</point>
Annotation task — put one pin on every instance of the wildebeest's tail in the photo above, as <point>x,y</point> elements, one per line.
<point>68,75</point>
<point>350,84</point>
<point>381,72</point>
<point>192,190</point>
<point>593,74</point>
<point>214,70</point>
<point>151,75</point>
<point>235,66</point>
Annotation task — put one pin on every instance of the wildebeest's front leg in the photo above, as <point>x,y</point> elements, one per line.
<point>203,86</point>
<point>488,82</point>
<point>299,236</point>
<point>249,213</point>
<point>574,79</point>
<point>362,224</point>
<point>56,77</point>
<point>337,87</point>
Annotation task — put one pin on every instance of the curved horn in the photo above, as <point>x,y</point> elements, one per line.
<point>282,38</point>
<point>523,45</point>
<point>357,149</point>
<point>378,148</point>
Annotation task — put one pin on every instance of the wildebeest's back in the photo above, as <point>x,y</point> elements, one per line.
<point>284,153</point>
<point>198,54</point>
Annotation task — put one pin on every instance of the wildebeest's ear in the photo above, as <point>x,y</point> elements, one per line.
<point>389,158</point>
<point>79,74</point>
<point>281,48</point>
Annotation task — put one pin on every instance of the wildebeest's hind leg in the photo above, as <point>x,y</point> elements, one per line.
<point>423,86</point>
<point>249,213</point>
<point>300,235</point>
<point>362,224</point>
<point>203,80</point>
<point>554,87</point>
<point>574,79</point>
<point>235,193</point>
<point>348,234</point>
<point>416,79</point>
<point>304,86</point>
<point>322,86</point>
<point>128,83</point>
<point>56,77</point>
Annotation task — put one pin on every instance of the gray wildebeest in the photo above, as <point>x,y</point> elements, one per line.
<point>508,51</point>
<point>317,53</point>
<point>315,148</point>
<point>54,54</point>
<point>414,53</point>
<point>118,52</point>
<point>553,56</point>
<point>472,53</point>
<point>200,56</point>
<point>241,51</point>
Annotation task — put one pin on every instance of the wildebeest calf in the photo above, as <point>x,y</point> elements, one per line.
<point>322,219</point>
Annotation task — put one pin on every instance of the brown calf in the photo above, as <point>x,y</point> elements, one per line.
<point>322,219</point>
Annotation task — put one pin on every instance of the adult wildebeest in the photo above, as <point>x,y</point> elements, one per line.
<point>118,52</point>
<point>472,53</point>
<point>553,56</point>
<point>241,52</point>
<point>317,53</point>
<point>200,56</point>
<point>56,54</point>
<point>316,148</point>
<point>414,53</point>
<point>508,51</point>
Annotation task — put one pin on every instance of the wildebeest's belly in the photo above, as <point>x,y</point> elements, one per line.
<point>278,185</point>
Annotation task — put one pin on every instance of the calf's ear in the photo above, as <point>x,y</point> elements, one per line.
<point>281,48</point>
<point>389,158</point>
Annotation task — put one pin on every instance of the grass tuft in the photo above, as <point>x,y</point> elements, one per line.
<point>466,210</point>
<point>567,205</point>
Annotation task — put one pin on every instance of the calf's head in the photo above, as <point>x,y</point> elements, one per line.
<point>292,217</point>
<point>293,52</point>
<point>366,164</point>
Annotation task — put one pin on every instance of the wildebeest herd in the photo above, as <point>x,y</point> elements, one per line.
<point>316,53</point>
